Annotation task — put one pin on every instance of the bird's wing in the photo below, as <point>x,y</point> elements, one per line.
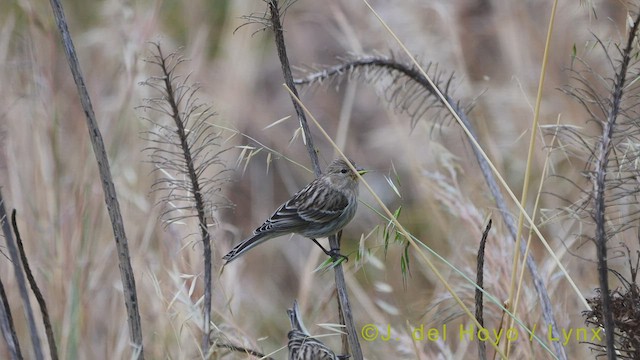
<point>321,206</point>
<point>313,204</point>
<point>286,217</point>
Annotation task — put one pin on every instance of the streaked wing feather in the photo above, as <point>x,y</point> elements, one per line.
<point>286,217</point>
<point>313,204</point>
<point>325,205</point>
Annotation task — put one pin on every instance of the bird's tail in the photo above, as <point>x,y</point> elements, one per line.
<point>245,246</point>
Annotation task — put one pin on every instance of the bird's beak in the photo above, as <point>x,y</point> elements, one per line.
<point>362,171</point>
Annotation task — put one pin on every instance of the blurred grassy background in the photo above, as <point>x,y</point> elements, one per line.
<point>48,172</point>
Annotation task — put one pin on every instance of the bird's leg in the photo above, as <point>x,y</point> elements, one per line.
<point>321,247</point>
<point>333,253</point>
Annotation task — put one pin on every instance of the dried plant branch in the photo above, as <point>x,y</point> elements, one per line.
<point>482,347</point>
<point>110,195</point>
<point>404,87</point>
<point>610,201</point>
<point>345,314</point>
<point>20,279</point>
<point>603,153</point>
<point>263,20</point>
<point>6,320</point>
<point>8,330</point>
<point>53,350</point>
<point>183,150</point>
<point>278,31</point>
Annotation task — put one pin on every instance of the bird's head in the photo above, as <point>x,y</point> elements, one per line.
<point>341,176</point>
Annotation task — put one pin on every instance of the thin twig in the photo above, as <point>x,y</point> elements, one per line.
<point>6,320</point>
<point>8,330</point>
<point>22,284</point>
<point>346,316</point>
<point>36,290</point>
<point>108,187</point>
<point>288,78</point>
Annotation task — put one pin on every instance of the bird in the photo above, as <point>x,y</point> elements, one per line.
<point>322,208</point>
<point>302,346</point>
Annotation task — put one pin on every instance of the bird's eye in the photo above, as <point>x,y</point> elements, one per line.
<point>344,171</point>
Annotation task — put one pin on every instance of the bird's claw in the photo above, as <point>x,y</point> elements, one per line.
<point>336,256</point>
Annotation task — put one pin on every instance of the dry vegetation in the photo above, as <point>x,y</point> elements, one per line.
<point>495,49</point>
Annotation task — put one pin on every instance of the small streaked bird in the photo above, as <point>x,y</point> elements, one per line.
<point>302,346</point>
<point>321,209</point>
